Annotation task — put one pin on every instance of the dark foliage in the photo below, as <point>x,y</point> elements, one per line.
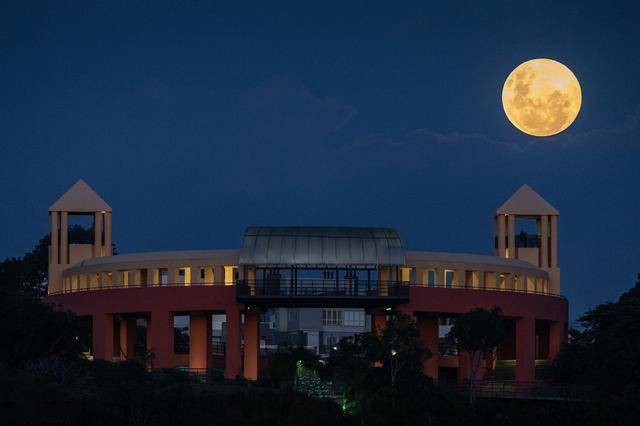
<point>282,365</point>
<point>382,379</point>
<point>606,354</point>
<point>477,334</point>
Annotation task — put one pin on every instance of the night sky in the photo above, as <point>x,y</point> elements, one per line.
<point>195,121</point>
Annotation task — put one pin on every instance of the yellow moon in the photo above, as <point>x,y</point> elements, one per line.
<point>541,97</point>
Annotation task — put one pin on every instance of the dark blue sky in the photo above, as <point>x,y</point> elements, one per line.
<point>194,121</point>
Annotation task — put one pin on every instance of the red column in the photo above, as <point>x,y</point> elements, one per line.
<point>232,349</point>
<point>128,328</point>
<point>102,325</point>
<point>251,345</point>
<point>525,349</point>
<point>428,327</point>
<point>556,338</point>
<point>160,338</point>
<point>200,341</point>
<point>379,323</point>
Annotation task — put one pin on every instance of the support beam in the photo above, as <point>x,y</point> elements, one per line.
<point>428,327</point>
<point>218,274</point>
<point>554,241</point>
<point>251,344</point>
<point>544,241</point>
<point>481,276</point>
<point>102,336</point>
<point>64,238</point>
<point>55,230</point>
<point>200,341</point>
<point>160,338</point>
<point>501,233</point>
<point>108,251</point>
<point>232,352</point>
<point>511,235</point>
<point>97,234</point>
<point>461,278</point>
<point>525,349</point>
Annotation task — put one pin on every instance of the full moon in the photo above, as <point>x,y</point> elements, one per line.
<point>541,97</point>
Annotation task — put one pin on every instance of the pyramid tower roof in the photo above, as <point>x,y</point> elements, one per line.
<point>80,198</point>
<point>526,201</point>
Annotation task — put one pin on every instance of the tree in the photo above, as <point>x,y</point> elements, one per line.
<point>477,332</point>
<point>29,274</point>
<point>605,354</point>
<point>381,374</point>
<point>284,363</point>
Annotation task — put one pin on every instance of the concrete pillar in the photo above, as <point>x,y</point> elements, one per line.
<point>150,277</point>
<point>544,237</point>
<point>428,327</point>
<point>525,349</point>
<point>461,278</point>
<point>97,234</point>
<point>102,336</point>
<point>128,329</point>
<point>107,234</point>
<point>418,276</point>
<point>232,350</point>
<point>200,341</point>
<point>55,226</point>
<point>481,279</point>
<point>511,235</point>
<point>116,280</point>
<point>195,275</point>
<point>64,238</point>
<point>554,241</point>
<point>251,345</point>
<point>171,275</point>
<point>218,274</point>
<point>511,281</point>
<point>441,277</point>
<point>556,339</point>
<point>501,232</point>
<point>160,338</point>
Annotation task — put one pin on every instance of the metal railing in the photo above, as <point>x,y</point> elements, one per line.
<point>321,288</point>
<point>140,285</point>
<point>511,389</point>
<point>486,287</point>
<point>311,288</point>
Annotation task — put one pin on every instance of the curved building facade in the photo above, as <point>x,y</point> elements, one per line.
<point>127,295</point>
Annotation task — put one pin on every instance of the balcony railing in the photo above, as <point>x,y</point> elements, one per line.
<point>322,288</point>
<point>528,241</point>
<point>511,389</point>
<point>312,288</point>
<point>488,287</point>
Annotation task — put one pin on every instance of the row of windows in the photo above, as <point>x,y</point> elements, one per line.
<point>151,276</point>
<point>344,318</point>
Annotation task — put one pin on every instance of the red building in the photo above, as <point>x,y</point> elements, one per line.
<point>308,267</point>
